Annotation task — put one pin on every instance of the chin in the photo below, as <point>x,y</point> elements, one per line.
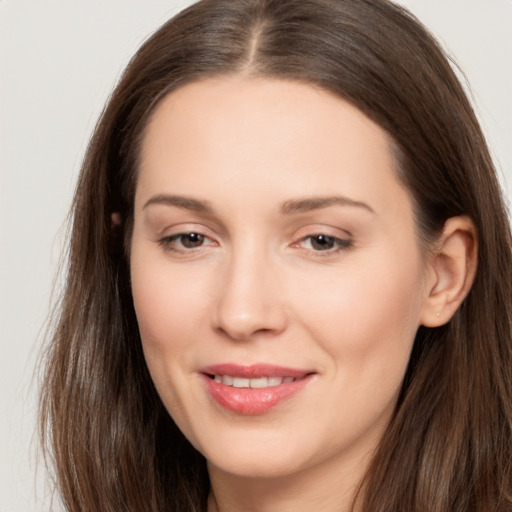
<point>256,467</point>
<point>259,457</point>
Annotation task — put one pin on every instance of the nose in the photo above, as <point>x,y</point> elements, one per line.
<point>250,298</point>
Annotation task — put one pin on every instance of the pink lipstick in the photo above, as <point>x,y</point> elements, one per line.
<point>253,389</point>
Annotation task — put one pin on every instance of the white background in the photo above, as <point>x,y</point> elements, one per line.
<point>58,62</point>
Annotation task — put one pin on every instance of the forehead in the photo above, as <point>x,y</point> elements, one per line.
<point>243,136</point>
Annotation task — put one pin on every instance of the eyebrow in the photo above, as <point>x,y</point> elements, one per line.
<point>187,203</point>
<point>288,207</point>
<point>316,203</point>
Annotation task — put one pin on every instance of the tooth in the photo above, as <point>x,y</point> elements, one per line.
<point>261,382</point>
<point>275,381</point>
<point>240,382</point>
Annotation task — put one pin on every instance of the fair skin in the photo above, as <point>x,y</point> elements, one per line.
<point>270,229</point>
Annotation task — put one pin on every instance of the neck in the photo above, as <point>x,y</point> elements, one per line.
<point>324,488</point>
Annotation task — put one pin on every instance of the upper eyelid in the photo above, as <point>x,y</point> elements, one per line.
<point>183,228</point>
<point>323,229</point>
<point>195,225</point>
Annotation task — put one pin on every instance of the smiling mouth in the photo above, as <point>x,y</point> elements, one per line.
<point>254,383</point>
<point>254,389</point>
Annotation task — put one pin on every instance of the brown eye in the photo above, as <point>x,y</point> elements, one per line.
<point>186,243</point>
<point>322,242</point>
<point>191,240</point>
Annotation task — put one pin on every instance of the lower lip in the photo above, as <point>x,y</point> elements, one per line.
<point>252,401</point>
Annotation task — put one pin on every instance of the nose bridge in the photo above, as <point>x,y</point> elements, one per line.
<point>250,298</point>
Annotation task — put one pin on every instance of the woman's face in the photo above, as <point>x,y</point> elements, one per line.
<point>276,275</point>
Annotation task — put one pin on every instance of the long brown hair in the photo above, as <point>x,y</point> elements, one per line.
<point>448,446</point>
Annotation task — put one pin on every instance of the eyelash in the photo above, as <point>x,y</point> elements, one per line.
<point>169,242</point>
<point>175,243</point>
<point>338,244</point>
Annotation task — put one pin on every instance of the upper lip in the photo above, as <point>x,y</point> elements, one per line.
<point>254,370</point>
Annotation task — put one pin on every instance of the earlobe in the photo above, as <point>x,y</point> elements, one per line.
<point>453,265</point>
<point>115,220</point>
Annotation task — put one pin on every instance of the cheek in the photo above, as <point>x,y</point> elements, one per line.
<point>366,317</point>
<point>169,306</point>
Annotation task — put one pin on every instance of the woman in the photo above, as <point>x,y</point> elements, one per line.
<point>288,282</point>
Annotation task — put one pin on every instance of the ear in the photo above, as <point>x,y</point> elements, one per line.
<point>452,268</point>
<point>115,220</point>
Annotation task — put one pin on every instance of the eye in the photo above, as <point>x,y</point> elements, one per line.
<point>324,243</point>
<point>190,240</point>
<point>184,241</point>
